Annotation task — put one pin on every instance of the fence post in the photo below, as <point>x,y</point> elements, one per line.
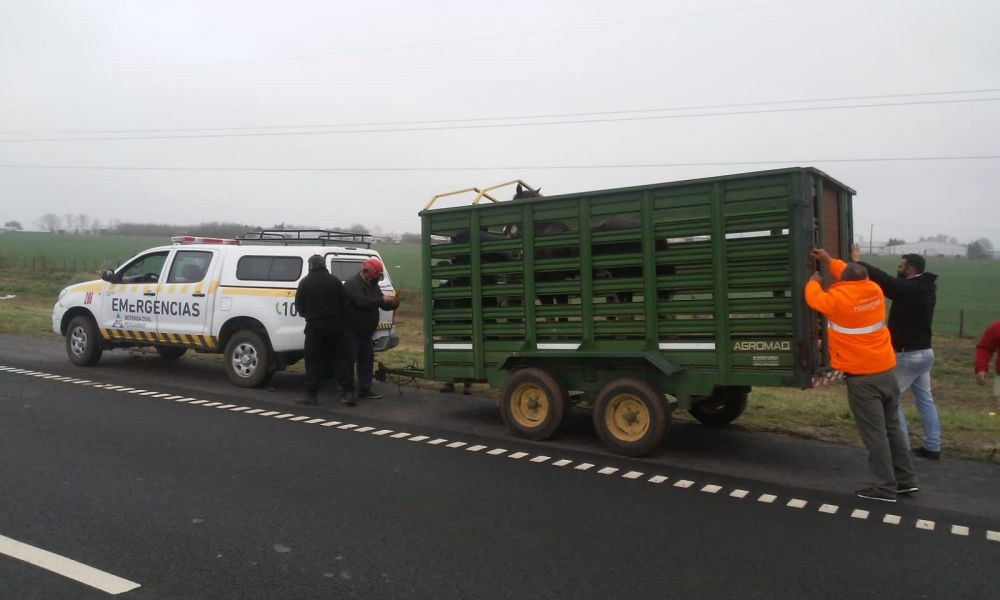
<point>961,323</point>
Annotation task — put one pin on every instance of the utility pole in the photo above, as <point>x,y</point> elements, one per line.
<point>871,237</point>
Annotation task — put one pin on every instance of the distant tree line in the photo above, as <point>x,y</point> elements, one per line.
<point>84,224</point>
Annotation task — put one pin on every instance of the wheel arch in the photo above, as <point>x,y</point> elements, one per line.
<point>72,313</point>
<point>230,327</point>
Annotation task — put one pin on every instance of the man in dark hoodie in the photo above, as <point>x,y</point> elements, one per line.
<point>320,300</point>
<point>913,293</point>
<point>361,311</point>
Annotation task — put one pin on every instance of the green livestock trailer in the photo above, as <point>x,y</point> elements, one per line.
<point>637,300</point>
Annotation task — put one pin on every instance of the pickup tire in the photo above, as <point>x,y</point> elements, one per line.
<point>248,358</point>
<point>723,407</point>
<point>83,341</point>
<point>631,417</point>
<point>532,403</point>
<point>170,352</point>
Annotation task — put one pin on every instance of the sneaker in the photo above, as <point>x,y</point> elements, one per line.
<point>369,396</point>
<point>309,399</point>
<point>928,454</point>
<point>875,494</point>
<point>906,490</point>
<point>347,398</point>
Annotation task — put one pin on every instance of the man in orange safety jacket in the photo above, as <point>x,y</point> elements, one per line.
<point>860,347</point>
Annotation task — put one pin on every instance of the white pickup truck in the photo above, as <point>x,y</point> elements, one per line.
<point>230,296</point>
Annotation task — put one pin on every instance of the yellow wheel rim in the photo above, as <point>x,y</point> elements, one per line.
<point>529,405</point>
<point>627,418</point>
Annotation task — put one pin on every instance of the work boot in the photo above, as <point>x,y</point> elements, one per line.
<point>347,398</point>
<point>309,399</point>
<point>928,454</point>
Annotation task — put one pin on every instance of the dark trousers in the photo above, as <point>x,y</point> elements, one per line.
<point>323,350</point>
<point>359,353</point>
<point>874,402</point>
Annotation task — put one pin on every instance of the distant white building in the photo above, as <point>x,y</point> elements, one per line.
<point>927,248</point>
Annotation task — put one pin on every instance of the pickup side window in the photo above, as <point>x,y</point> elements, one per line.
<point>144,269</point>
<point>189,266</point>
<point>345,269</point>
<point>269,268</point>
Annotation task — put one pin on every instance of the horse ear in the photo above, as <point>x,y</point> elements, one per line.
<point>539,191</point>
<point>519,189</point>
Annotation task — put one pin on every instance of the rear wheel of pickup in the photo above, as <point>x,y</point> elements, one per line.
<point>170,352</point>
<point>723,407</point>
<point>83,341</point>
<point>532,403</point>
<point>248,358</point>
<point>631,417</point>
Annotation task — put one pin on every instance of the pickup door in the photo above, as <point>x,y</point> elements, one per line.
<point>128,310</point>
<point>185,297</point>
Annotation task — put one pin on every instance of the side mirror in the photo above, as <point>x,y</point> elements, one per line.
<point>108,275</point>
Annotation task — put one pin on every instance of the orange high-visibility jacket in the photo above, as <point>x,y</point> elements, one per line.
<point>855,313</point>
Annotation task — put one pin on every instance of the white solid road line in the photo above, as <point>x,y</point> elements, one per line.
<point>60,565</point>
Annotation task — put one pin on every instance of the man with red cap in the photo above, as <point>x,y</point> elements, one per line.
<point>361,311</point>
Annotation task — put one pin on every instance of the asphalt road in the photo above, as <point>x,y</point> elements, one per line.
<point>214,500</point>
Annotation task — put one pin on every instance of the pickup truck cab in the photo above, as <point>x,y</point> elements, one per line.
<point>230,296</point>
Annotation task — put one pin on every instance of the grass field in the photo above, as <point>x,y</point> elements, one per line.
<point>970,424</point>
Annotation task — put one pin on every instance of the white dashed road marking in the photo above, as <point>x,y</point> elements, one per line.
<point>739,494</point>
<point>767,498</point>
<point>711,489</point>
<point>497,451</point>
<point>796,503</point>
<point>562,462</point>
<point>608,471</point>
<point>683,483</point>
<point>632,475</point>
<point>960,530</point>
<point>857,513</point>
<point>517,455</point>
<point>829,509</point>
<point>892,519</point>
<point>106,582</point>
<point>657,479</point>
<point>584,467</point>
<point>927,525</point>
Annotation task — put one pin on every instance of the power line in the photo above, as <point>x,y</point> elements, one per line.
<point>512,117</point>
<point>882,159</point>
<point>499,125</point>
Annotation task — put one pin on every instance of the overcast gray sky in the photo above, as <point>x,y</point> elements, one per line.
<point>332,113</point>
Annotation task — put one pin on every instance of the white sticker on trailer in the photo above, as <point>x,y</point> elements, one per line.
<point>558,346</point>
<point>687,345</point>
<point>453,346</point>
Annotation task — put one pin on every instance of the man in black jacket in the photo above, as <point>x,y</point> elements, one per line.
<point>320,300</point>
<point>913,293</point>
<point>361,312</point>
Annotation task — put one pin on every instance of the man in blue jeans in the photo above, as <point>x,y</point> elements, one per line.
<point>913,293</point>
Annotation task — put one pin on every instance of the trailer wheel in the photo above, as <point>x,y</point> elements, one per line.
<point>723,407</point>
<point>532,403</point>
<point>170,352</point>
<point>631,417</point>
<point>248,359</point>
<point>83,341</point>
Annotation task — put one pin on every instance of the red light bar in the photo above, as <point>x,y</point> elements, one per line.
<point>191,239</point>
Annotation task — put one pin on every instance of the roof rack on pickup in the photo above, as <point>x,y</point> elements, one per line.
<point>307,237</point>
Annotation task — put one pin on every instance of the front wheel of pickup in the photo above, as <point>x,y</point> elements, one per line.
<point>248,358</point>
<point>83,341</point>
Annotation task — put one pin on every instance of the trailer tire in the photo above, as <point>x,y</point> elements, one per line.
<point>170,352</point>
<point>631,417</point>
<point>532,403</point>
<point>723,407</point>
<point>83,341</point>
<point>248,358</point>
